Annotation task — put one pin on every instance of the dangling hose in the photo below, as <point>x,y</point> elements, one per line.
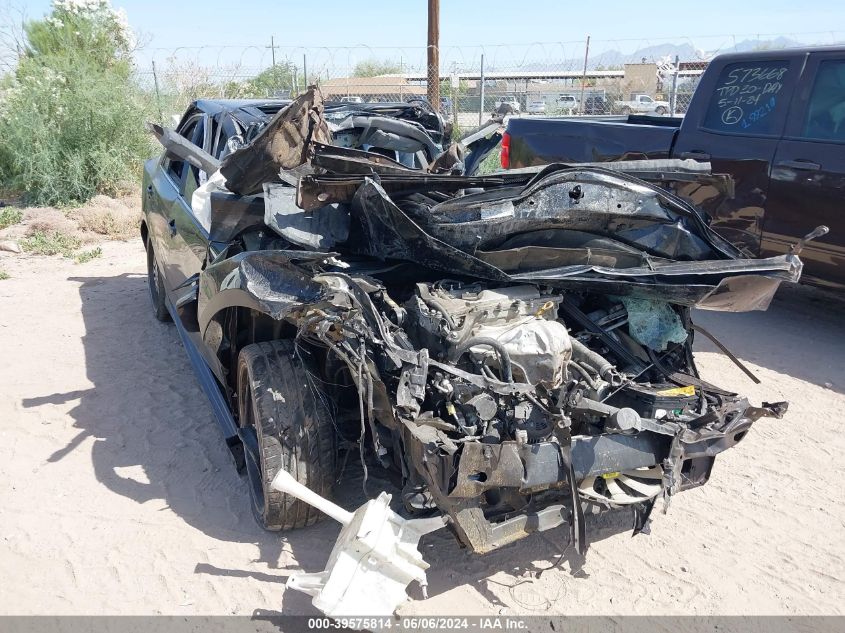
<point>603,367</point>
<point>504,357</point>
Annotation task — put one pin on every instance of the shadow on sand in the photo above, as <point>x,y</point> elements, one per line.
<point>802,334</point>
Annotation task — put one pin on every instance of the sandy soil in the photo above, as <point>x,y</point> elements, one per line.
<point>118,496</point>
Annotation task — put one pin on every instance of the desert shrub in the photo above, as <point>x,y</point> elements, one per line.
<point>491,163</point>
<point>71,118</point>
<point>108,216</point>
<point>87,256</point>
<point>48,220</point>
<point>54,243</point>
<point>10,216</point>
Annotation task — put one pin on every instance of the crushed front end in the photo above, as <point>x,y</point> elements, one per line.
<point>515,348</point>
<point>511,408</point>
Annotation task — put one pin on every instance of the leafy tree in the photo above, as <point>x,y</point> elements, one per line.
<point>71,118</point>
<point>375,67</point>
<point>279,78</point>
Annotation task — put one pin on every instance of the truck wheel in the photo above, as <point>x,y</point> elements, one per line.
<point>155,281</point>
<point>626,111</point>
<point>293,431</point>
<point>660,110</point>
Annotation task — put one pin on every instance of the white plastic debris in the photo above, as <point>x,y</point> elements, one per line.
<point>201,198</point>
<point>373,560</point>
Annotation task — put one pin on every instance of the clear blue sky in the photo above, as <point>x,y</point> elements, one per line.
<point>613,24</point>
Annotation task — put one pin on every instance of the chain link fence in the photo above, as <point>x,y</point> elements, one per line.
<point>576,78</point>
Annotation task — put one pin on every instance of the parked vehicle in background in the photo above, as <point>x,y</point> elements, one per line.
<point>642,104</point>
<point>508,104</point>
<point>536,106</point>
<point>596,104</point>
<point>351,100</point>
<point>567,104</point>
<point>446,106</point>
<point>773,120</point>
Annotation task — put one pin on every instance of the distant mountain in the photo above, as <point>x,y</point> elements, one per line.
<point>686,52</point>
<point>655,53</point>
<point>613,58</point>
<point>757,45</point>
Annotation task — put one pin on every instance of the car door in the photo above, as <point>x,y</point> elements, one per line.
<point>808,173</point>
<point>736,125</point>
<point>162,189</point>
<point>183,241</point>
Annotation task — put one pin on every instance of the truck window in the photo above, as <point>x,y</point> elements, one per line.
<point>747,99</point>
<point>826,107</point>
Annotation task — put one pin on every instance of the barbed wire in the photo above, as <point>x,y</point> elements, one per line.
<point>535,77</point>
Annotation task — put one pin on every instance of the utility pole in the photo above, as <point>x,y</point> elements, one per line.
<point>584,74</point>
<point>304,71</point>
<point>673,100</point>
<point>275,79</point>
<point>272,48</point>
<point>481,106</point>
<point>158,95</point>
<point>434,54</point>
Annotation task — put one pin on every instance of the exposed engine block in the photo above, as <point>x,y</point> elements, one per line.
<point>511,330</point>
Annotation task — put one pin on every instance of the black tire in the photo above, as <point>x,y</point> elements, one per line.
<point>293,431</point>
<point>660,111</point>
<point>155,281</point>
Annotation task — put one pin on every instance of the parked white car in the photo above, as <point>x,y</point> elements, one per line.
<point>536,106</point>
<point>567,104</point>
<point>642,104</point>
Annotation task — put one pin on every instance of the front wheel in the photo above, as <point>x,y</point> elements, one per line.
<point>660,110</point>
<point>287,426</point>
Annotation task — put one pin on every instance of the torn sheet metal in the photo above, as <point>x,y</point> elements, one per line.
<point>180,147</point>
<point>389,133</point>
<point>283,144</point>
<point>589,199</point>
<point>381,229</point>
<point>320,229</point>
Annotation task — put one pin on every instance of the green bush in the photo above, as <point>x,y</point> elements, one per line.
<point>491,163</point>
<point>87,256</point>
<point>71,118</point>
<point>375,67</point>
<point>53,243</point>
<point>10,216</point>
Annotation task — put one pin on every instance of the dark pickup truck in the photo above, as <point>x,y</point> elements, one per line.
<point>773,120</point>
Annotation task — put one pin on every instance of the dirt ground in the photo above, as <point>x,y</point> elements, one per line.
<point>119,497</point>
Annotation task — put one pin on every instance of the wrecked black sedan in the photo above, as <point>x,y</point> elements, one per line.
<point>515,347</point>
